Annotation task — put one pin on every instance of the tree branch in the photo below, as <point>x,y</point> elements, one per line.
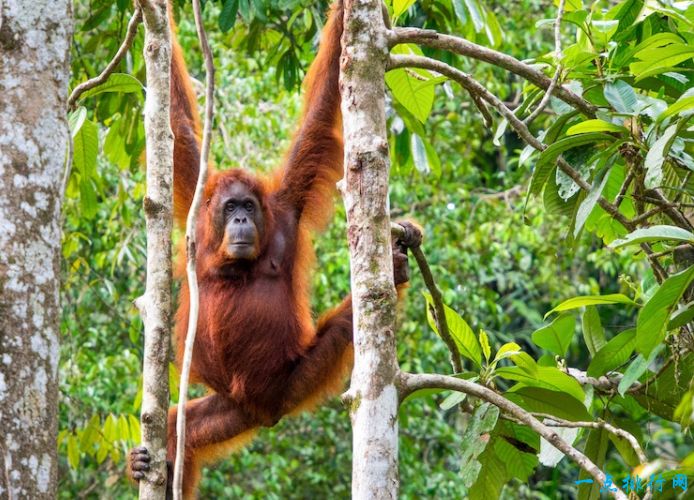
<point>439,312</point>
<point>155,305</point>
<point>600,424</point>
<point>430,38</point>
<point>557,73</point>
<point>191,275</point>
<point>125,46</point>
<point>410,382</point>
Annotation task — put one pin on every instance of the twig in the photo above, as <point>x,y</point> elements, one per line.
<point>671,210</point>
<point>557,73</point>
<point>625,187</point>
<point>410,382</point>
<point>600,424</point>
<point>431,38</point>
<point>125,46</point>
<point>439,312</point>
<point>191,274</point>
<point>684,246</point>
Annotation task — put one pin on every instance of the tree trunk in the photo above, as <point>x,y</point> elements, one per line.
<point>35,37</point>
<point>155,304</point>
<point>373,395</point>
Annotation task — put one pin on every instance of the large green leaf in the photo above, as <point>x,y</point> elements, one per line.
<point>475,440</point>
<point>593,332</point>
<point>594,126</point>
<point>117,82</point>
<point>546,377</point>
<point>662,395</point>
<point>227,17</point>
<point>654,233</point>
<point>592,300</point>
<point>613,354</point>
<point>621,96</point>
<point>415,95</point>
<point>556,337</point>
<point>545,162</point>
<point>652,321</point>
<point>656,157</point>
<point>401,6</point>
<point>635,369</point>
<point>460,331</point>
<point>559,404</point>
<point>85,149</point>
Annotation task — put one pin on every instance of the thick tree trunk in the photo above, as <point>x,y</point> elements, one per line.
<point>373,395</point>
<point>155,304</point>
<point>35,40</point>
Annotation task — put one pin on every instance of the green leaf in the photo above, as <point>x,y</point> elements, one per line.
<point>475,439</point>
<point>681,316</point>
<point>682,104</point>
<point>654,233</point>
<point>73,453</point>
<point>592,300</point>
<point>654,59</point>
<point>651,324</point>
<point>656,157</point>
<point>593,332</point>
<point>556,337</point>
<point>628,13</point>
<point>664,393</point>
<point>76,119</point>
<point>613,354</point>
<point>621,96</point>
<point>117,82</point>
<point>401,6</point>
<point>545,162</point>
<point>559,404</point>
<point>588,204</point>
<point>635,369</point>
<point>85,149</point>
<point>475,12</point>
<point>594,126</point>
<point>571,5</point>
<point>452,400</point>
<point>506,350</point>
<point>419,153</point>
<point>484,342</point>
<point>227,17</point>
<point>547,377</point>
<point>90,432</point>
<point>417,98</point>
<point>460,331</point>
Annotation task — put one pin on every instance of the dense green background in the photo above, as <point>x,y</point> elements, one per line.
<point>500,265</point>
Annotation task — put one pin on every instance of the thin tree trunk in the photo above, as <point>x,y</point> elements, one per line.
<point>373,395</point>
<point>35,37</point>
<point>155,304</point>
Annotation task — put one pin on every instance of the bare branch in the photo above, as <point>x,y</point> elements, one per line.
<point>557,73</point>
<point>125,46</point>
<point>552,421</point>
<point>410,382</point>
<point>191,274</point>
<point>430,38</point>
<point>439,312</point>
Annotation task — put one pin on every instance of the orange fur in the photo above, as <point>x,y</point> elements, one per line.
<point>256,346</point>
